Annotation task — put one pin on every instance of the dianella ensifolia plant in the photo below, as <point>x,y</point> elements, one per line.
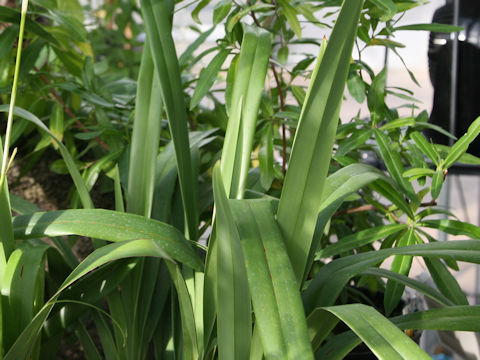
<point>260,286</point>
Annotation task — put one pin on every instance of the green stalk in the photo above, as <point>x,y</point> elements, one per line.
<point>5,160</point>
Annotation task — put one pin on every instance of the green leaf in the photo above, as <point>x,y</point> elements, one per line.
<point>426,148</point>
<point>329,282</point>
<point>411,283</point>
<point>356,87</point>
<point>451,318</point>
<point>394,124</point>
<point>359,239</point>
<point>434,27</point>
<point>246,97</point>
<point>387,8</point>
<point>453,227</point>
<point>265,157</point>
<point>312,149</point>
<point>233,316</point>
<point>276,300</point>
<point>417,172</point>
<point>283,55</point>
<point>123,249</point>
<point>23,285</point>
<point>437,182</point>
<point>7,38</point>
<point>382,337</point>
<point>56,122</point>
<point>221,10</point>
<point>145,138</point>
<point>445,281</point>
<point>199,8</point>
<point>291,15</point>
<point>107,225</point>
<point>461,146</point>
<point>158,27</point>
<point>393,162</point>
<point>72,167</point>
<point>208,76</point>
<point>400,265</point>
<point>461,318</point>
<point>393,194</point>
<point>376,97</point>
<point>188,53</point>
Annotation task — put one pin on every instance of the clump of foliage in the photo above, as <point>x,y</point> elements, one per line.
<point>243,210</point>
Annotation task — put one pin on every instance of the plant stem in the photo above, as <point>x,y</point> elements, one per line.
<point>5,160</point>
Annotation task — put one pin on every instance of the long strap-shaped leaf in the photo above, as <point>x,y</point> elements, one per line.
<point>246,96</point>
<point>329,282</point>
<point>234,322</point>
<point>382,337</point>
<point>451,318</point>
<point>276,299</point>
<point>107,225</point>
<point>158,27</point>
<point>301,196</point>
<point>124,249</point>
<point>145,138</point>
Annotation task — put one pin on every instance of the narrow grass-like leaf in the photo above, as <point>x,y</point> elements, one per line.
<point>394,165</point>
<point>401,265</point>
<point>23,289</point>
<point>89,348</point>
<point>386,189</point>
<point>417,172</point>
<point>427,148</point>
<point>233,315</point>
<point>382,337</point>
<point>411,283</point>
<point>359,239</point>
<point>387,7</point>
<point>265,157</point>
<point>324,289</point>
<point>394,124</point>
<point>69,161</point>
<point>461,146</point>
<point>445,281</point>
<point>246,97</point>
<point>190,346</point>
<point>312,149</point>
<point>187,54</point>
<point>320,324</point>
<point>207,77</point>
<point>145,138</point>
<point>158,27</point>
<point>453,227</point>
<point>451,318</point>
<point>437,182</point>
<point>435,27</point>
<point>291,15</point>
<point>274,290</point>
<point>107,225</point>
<point>123,249</point>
